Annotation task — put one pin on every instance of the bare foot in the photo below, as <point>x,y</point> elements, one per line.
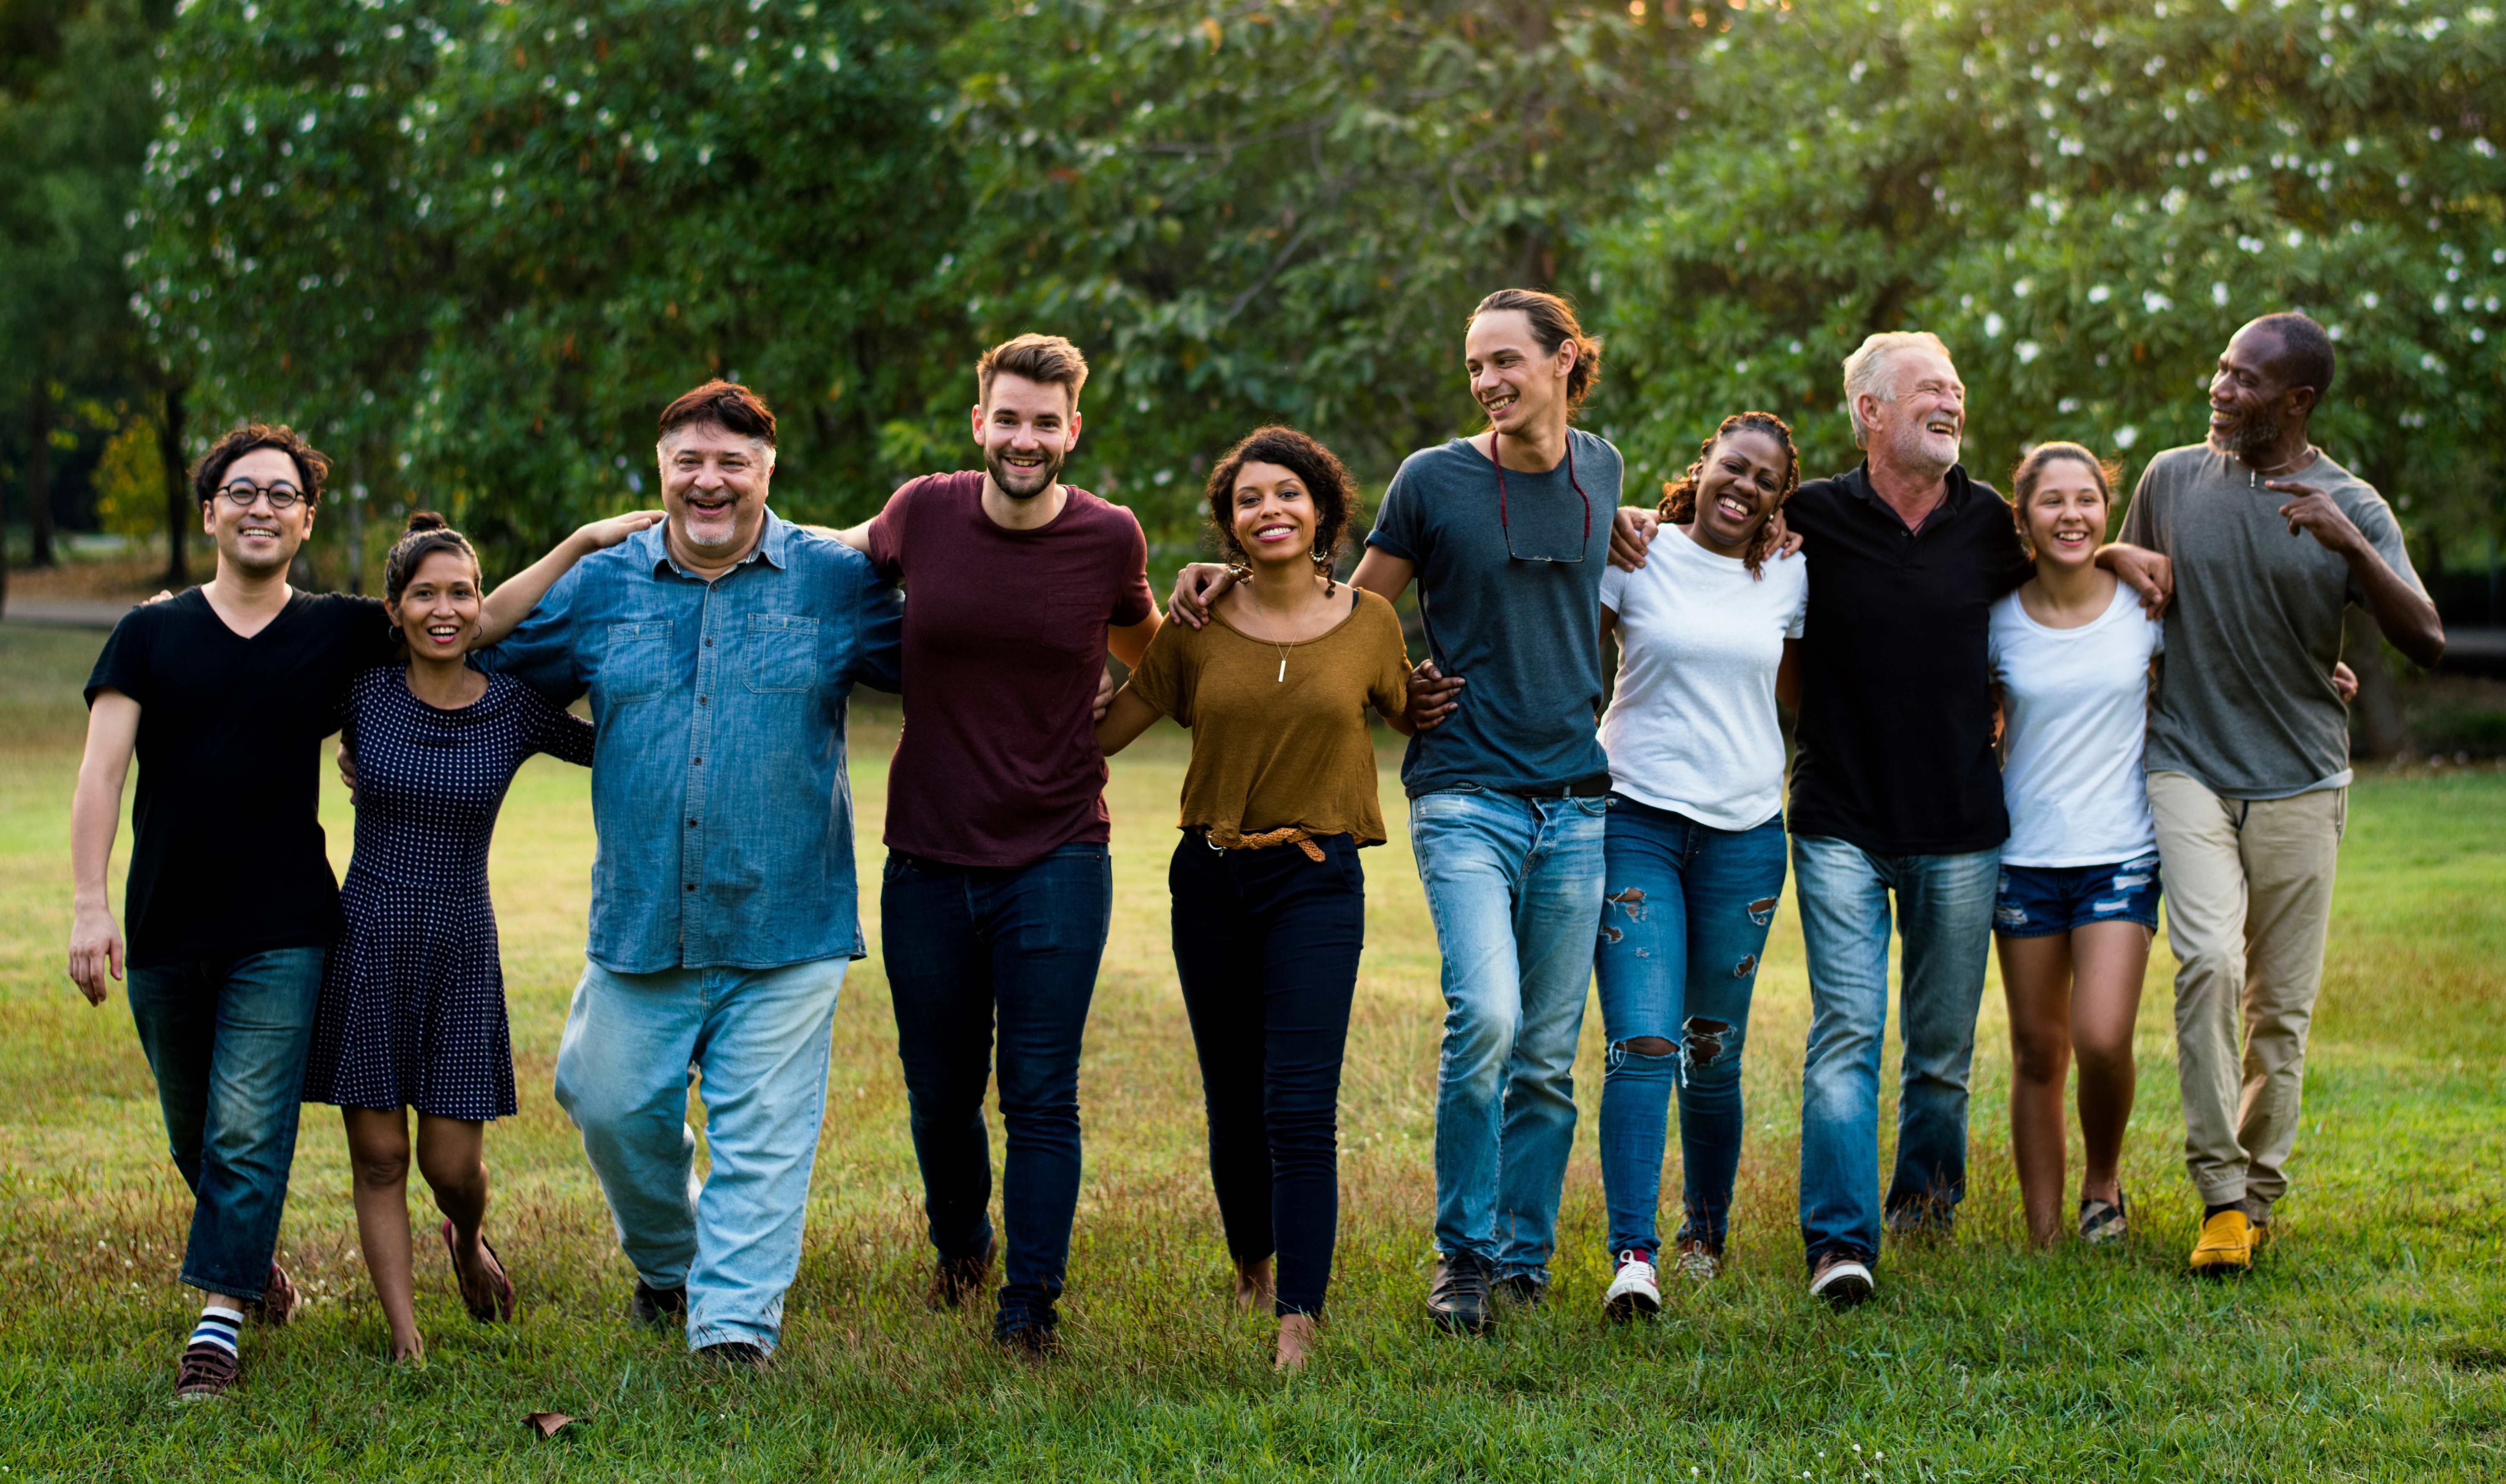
<point>1254,1288</point>
<point>1296,1342</point>
<point>409,1349</point>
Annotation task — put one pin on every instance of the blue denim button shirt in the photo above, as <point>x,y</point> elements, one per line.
<point>718,783</point>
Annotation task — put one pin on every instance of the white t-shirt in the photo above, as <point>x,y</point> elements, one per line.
<point>2075,714</point>
<point>1692,728</point>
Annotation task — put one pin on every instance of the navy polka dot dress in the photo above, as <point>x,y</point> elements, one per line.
<point>413,1009</point>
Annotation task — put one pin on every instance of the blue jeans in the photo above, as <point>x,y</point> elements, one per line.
<point>1514,885</point>
<point>1947,905</point>
<point>969,948</point>
<point>1267,945</point>
<point>226,1040</point>
<point>1682,928</point>
<point>758,1038</point>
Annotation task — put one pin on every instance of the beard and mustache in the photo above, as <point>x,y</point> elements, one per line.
<point>1024,483</point>
<point>2248,436</point>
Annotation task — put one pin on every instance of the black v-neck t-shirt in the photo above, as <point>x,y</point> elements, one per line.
<point>228,856</point>
<point>1894,749</point>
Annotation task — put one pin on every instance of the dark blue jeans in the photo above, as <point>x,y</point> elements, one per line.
<point>969,948</point>
<point>1684,921</point>
<point>226,1040</point>
<point>1267,945</point>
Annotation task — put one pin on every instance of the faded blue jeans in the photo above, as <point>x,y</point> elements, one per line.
<point>759,1040</point>
<point>226,1040</point>
<point>1683,925</point>
<point>1514,885</point>
<point>1946,905</point>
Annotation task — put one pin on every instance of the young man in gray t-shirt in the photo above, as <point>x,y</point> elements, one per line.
<point>2248,752</point>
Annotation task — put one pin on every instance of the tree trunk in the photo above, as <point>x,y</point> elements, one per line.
<point>180,516</point>
<point>2376,716</point>
<point>39,473</point>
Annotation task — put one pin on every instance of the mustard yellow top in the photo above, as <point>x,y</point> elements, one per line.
<point>1278,730</point>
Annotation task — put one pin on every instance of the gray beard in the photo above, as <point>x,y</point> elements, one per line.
<point>2249,439</point>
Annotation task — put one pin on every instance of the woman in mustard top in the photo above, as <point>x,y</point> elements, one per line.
<point>1269,901</point>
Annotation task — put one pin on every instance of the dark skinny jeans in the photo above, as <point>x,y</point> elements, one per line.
<point>1267,945</point>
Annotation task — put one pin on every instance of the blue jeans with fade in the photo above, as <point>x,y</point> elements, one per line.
<point>1946,903</point>
<point>758,1038</point>
<point>1514,885</point>
<point>226,1040</point>
<point>969,950</point>
<point>1683,925</point>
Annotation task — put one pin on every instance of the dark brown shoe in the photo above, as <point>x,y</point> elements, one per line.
<point>956,1280</point>
<point>207,1372</point>
<point>277,1302</point>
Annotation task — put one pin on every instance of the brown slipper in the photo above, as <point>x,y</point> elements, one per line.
<point>501,1306</point>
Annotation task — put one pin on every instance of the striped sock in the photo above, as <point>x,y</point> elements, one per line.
<point>216,1326</point>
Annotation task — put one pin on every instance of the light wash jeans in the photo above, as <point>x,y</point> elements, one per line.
<point>1514,885</point>
<point>758,1038</point>
<point>1946,903</point>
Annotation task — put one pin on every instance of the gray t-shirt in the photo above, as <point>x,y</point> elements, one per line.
<point>1524,633</point>
<point>2244,700</point>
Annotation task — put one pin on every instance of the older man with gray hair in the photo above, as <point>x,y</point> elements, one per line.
<point>1896,789</point>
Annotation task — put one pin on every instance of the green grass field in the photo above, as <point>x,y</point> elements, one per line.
<point>2370,1344</point>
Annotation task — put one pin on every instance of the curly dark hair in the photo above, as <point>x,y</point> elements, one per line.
<point>427,532</point>
<point>311,465</point>
<point>1318,467</point>
<point>1679,496</point>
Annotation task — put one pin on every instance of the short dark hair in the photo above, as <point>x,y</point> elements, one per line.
<point>734,406</point>
<point>1553,324</point>
<point>427,532</point>
<point>312,467</point>
<point>1048,360</point>
<point>1318,467</point>
<point>2305,351</point>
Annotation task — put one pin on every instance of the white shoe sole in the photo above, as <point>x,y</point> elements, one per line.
<point>1844,1284</point>
<point>1632,1298</point>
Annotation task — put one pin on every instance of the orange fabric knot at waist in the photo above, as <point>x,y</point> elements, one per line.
<point>1301,838</point>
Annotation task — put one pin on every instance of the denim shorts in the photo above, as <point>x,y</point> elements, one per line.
<point>2040,900</point>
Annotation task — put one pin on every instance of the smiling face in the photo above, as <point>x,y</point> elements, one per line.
<point>2252,403</point>
<point>1920,426</point>
<point>438,612</point>
<point>1736,491</point>
<point>258,538</point>
<point>713,487</point>
<point>1520,387</point>
<point>2066,514</point>
<point>1273,515</point>
<point>1025,429</point>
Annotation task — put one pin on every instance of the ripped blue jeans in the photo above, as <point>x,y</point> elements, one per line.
<point>1684,920</point>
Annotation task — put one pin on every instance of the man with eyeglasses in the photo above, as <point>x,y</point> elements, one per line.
<point>224,694</point>
<point>1506,533</point>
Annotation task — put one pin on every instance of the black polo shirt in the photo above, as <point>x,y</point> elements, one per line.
<point>1894,748</point>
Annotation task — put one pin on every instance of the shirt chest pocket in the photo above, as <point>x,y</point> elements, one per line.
<point>781,654</point>
<point>636,662</point>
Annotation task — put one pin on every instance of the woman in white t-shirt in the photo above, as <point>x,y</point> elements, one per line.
<point>2078,897</point>
<point>1695,847</point>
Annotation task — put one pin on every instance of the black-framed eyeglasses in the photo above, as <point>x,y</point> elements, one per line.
<point>280,494</point>
<point>1507,527</point>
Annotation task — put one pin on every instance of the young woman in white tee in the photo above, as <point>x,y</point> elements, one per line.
<point>2077,901</point>
<point>1693,851</point>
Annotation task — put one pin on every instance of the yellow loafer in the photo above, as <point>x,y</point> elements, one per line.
<point>2226,1246</point>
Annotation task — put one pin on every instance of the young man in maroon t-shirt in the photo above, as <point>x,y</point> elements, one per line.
<point>999,886</point>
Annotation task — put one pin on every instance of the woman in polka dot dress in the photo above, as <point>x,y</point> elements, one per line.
<point>412,1006</point>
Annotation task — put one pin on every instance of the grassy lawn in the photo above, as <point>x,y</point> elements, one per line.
<point>2371,1343</point>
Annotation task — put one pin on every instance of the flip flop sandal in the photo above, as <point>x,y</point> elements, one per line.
<point>501,1307</point>
<point>2103,1222</point>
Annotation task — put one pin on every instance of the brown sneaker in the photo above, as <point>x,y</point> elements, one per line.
<point>277,1302</point>
<point>207,1372</point>
<point>955,1280</point>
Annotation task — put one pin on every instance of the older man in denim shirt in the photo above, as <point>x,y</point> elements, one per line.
<point>718,650</point>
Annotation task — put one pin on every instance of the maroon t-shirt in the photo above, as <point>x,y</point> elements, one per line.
<point>1004,640</point>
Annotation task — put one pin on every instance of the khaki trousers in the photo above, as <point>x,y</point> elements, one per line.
<point>2248,887</point>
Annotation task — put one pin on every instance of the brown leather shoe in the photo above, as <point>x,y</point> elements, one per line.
<point>277,1302</point>
<point>207,1372</point>
<point>955,1280</point>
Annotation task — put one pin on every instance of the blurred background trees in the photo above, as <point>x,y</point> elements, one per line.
<point>472,245</point>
